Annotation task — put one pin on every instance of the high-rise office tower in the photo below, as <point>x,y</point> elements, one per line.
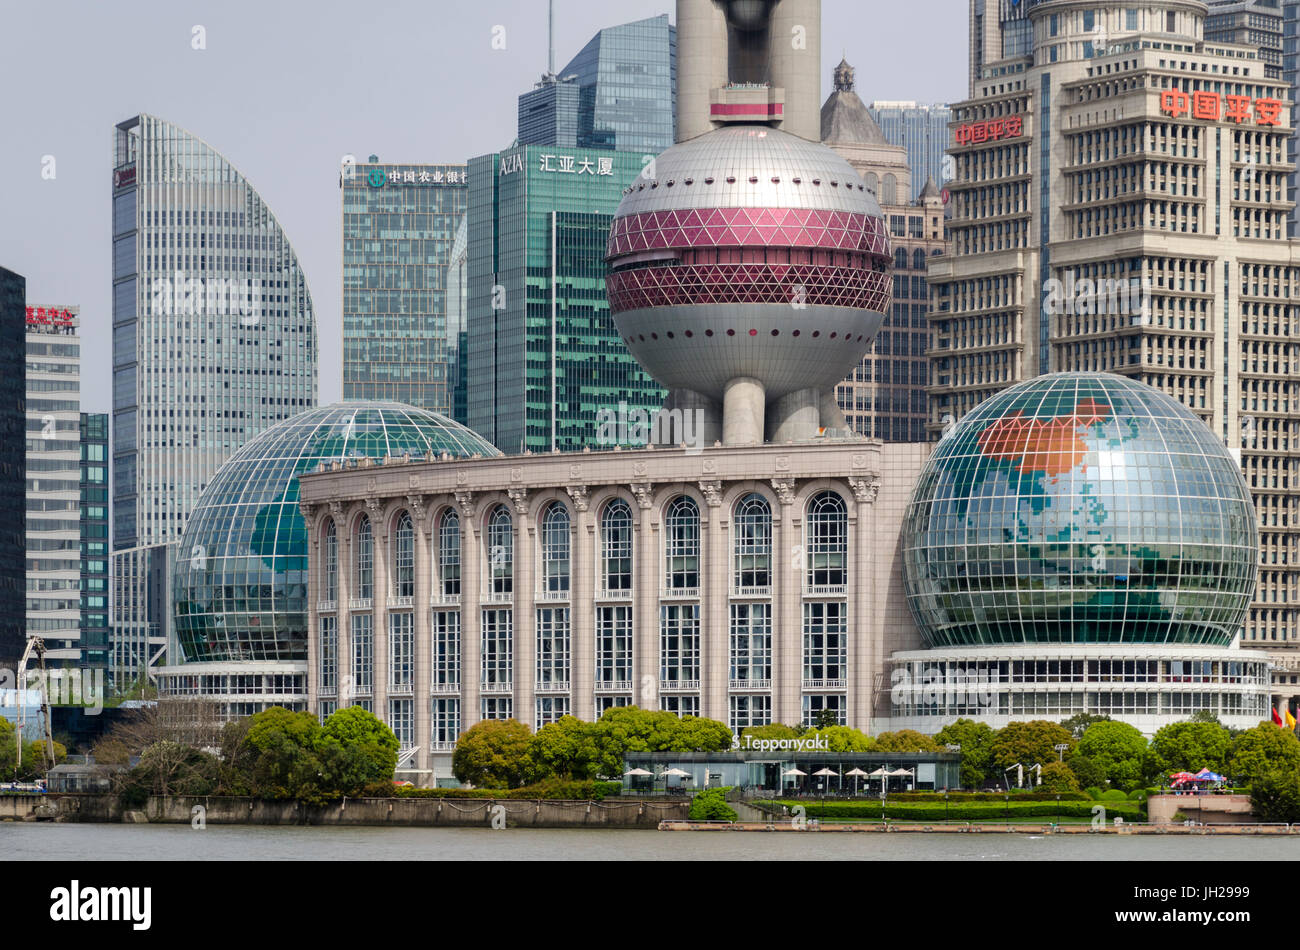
<point>13,450</point>
<point>54,480</point>
<point>618,93</point>
<point>399,225</point>
<point>544,359</point>
<point>923,131</point>
<point>885,396</point>
<point>94,540</point>
<point>214,339</point>
<point>1254,23</point>
<point>1120,205</point>
<point>1291,76</point>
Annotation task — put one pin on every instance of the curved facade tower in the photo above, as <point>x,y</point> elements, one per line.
<point>214,334</point>
<point>749,265</point>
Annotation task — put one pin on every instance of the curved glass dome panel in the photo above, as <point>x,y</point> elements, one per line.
<point>1080,508</point>
<point>239,585</point>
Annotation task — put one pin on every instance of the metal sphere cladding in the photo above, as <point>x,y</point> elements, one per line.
<point>749,252</point>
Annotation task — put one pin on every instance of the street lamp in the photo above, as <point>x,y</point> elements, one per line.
<point>1060,748</point>
<point>945,806</point>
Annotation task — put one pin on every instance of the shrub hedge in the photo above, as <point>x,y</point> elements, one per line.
<point>974,811</point>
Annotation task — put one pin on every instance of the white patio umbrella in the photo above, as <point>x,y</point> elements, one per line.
<point>680,773</point>
<point>793,772</point>
<point>637,772</point>
<point>898,773</point>
<point>856,773</point>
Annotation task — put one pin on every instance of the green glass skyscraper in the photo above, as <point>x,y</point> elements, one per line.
<point>537,374</point>
<point>399,226</point>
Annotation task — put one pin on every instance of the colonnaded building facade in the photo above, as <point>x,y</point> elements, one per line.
<point>748,585</point>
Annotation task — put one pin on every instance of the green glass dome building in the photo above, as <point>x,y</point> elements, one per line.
<point>1080,508</point>
<point>239,584</point>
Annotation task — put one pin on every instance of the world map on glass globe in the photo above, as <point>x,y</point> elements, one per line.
<point>1080,508</point>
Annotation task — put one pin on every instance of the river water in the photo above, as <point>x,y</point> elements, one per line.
<point>81,842</point>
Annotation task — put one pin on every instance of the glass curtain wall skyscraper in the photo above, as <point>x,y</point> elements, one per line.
<point>399,226</point>
<point>540,217</point>
<point>923,131</point>
<point>13,452</point>
<point>619,92</point>
<point>54,479</point>
<point>214,333</point>
<point>94,539</point>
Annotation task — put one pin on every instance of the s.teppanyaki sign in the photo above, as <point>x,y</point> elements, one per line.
<point>1213,107</point>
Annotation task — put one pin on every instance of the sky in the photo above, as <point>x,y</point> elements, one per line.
<point>285,88</point>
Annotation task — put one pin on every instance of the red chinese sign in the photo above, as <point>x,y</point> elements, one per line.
<point>990,131</point>
<point>1211,107</point>
<point>49,316</point>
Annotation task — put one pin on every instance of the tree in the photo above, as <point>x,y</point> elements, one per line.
<point>493,753</point>
<point>841,739</point>
<point>1079,724</point>
<point>1258,751</point>
<point>567,747</point>
<point>906,740</point>
<point>1275,797</point>
<point>274,755</point>
<point>356,750</point>
<point>1030,743</point>
<point>1058,777</point>
<point>1118,750</point>
<point>1088,772</point>
<point>976,741</point>
<point>826,717</point>
<point>34,762</point>
<point>1189,747</point>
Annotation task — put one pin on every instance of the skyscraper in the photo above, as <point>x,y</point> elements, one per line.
<point>94,539</point>
<point>885,396</point>
<point>54,479</point>
<point>538,374</point>
<point>618,93</point>
<point>923,131</point>
<point>214,336</point>
<point>399,225</point>
<point>13,330</point>
<point>1254,23</point>
<point>1120,206</point>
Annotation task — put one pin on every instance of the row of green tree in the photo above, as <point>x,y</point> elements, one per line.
<point>274,754</point>
<point>34,762</point>
<point>1102,752</point>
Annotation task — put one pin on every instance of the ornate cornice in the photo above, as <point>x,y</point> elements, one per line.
<point>865,488</point>
<point>712,490</point>
<point>644,492</point>
<point>578,493</point>
<point>465,502</point>
<point>519,498</point>
<point>784,488</point>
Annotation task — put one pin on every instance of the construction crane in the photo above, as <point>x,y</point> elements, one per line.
<point>34,645</point>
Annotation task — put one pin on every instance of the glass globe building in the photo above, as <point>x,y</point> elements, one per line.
<point>1080,508</point>
<point>239,584</point>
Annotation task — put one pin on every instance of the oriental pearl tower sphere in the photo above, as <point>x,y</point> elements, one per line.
<point>749,267</point>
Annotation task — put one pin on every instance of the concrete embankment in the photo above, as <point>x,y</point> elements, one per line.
<point>1012,828</point>
<point>416,812</point>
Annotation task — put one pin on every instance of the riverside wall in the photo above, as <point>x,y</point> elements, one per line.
<point>413,812</point>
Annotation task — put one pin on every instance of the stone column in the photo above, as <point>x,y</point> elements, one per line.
<point>865,635</point>
<point>421,516</point>
<point>787,606</point>
<point>308,513</point>
<point>743,411</point>
<point>471,613</point>
<point>379,531</point>
<point>645,607</point>
<point>342,516</point>
<point>582,657</point>
<point>715,636</point>
<point>525,614</point>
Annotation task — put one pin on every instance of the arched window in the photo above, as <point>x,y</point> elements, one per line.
<point>682,537</point>
<point>501,551</point>
<point>827,540</point>
<point>365,561</point>
<point>873,183</point>
<point>918,259</point>
<point>753,542</point>
<point>900,258</point>
<point>330,582</point>
<point>616,546</point>
<point>889,194</point>
<point>449,553</point>
<point>555,549</point>
<point>404,557</point>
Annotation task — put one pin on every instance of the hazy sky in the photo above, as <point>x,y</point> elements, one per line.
<point>285,89</point>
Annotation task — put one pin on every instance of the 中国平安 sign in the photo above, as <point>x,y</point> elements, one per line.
<point>1213,107</point>
<point>1011,127</point>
